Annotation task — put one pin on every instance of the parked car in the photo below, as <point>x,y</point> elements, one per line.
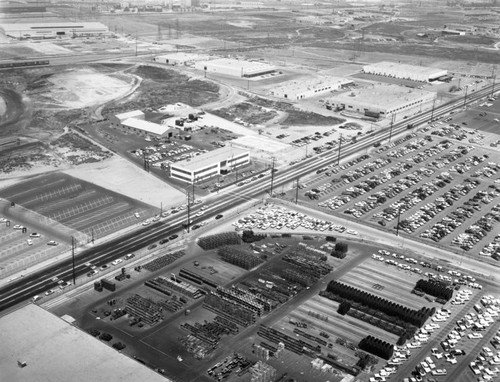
<point>103,267</point>
<point>92,273</point>
<point>53,243</point>
<point>219,216</point>
<point>49,292</point>
<point>172,237</point>
<point>35,234</point>
<point>116,262</point>
<point>129,256</point>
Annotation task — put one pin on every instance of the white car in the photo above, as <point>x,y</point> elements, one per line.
<point>17,226</point>
<point>53,243</point>
<point>29,241</point>
<point>36,298</point>
<point>49,292</point>
<point>35,234</point>
<point>117,261</point>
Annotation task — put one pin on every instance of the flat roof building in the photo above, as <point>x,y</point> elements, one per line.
<point>298,89</point>
<point>235,68</point>
<point>209,164</point>
<point>404,71</point>
<point>383,101</point>
<point>180,59</point>
<point>39,346</point>
<point>53,30</point>
<point>134,122</point>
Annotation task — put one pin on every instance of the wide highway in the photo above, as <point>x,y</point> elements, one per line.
<point>40,281</point>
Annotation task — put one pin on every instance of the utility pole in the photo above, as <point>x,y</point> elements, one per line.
<point>136,42</point>
<point>392,124</point>
<point>340,147</point>
<point>433,106</point>
<point>297,191</point>
<point>146,161</point>
<point>73,257</point>
<point>494,78</point>
<point>272,177</point>
<point>465,98</point>
<point>397,226</point>
<point>92,236</point>
<point>189,199</point>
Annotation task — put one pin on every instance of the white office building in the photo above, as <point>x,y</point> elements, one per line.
<point>301,89</point>
<point>235,68</point>
<point>212,163</point>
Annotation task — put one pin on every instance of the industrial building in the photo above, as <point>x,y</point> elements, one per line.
<point>209,164</point>
<point>297,90</point>
<point>262,372</point>
<point>180,59</point>
<point>53,30</point>
<point>134,122</point>
<point>383,101</point>
<point>235,68</point>
<point>404,71</point>
<point>40,346</point>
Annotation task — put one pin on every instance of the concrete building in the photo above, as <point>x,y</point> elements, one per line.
<point>235,68</point>
<point>53,30</point>
<point>262,372</point>
<point>297,90</point>
<point>209,164</point>
<point>383,101</point>
<point>134,122</point>
<point>404,71</point>
<point>180,59</point>
<point>39,346</point>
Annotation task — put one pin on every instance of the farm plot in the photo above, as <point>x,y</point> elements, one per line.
<point>76,204</point>
<point>391,284</point>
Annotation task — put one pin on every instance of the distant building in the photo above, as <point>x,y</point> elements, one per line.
<point>209,164</point>
<point>235,68</point>
<point>299,89</point>
<point>180,59</point>
<point>452,32</point>
<point>134,122</point>
<point>404,71</point>
<point>53,30</point>
<point>383,101</point>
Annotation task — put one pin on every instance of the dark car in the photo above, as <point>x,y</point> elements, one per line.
<point>152,246</point>
<point>173,237</point>
<point>219,216</point>
<point>163,241</point>
<point>196,226</point>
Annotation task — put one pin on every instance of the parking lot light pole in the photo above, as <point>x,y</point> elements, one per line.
<point>397,226</point>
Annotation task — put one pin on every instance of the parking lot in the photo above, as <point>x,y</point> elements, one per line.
<point>438,189</point>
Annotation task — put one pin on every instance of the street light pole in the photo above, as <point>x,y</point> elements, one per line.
<point>397,226</point>
<point>340,147</point>
<point>272,177</point>
<point>465,98</point>
<point>73,257</point>
<point>392,124</point>
<point>433,106</point>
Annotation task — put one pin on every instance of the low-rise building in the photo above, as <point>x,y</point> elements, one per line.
<point>54,30</point>
<point>180,59</point>
<point>134,122</point>
<point>235,68</point>
<point>383,101</point>
<point>404,71</point>
<point>210,164</point>
<point>297,90</point>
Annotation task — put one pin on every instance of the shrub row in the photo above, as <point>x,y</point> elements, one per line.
<point>218,240</point>
<point>377,347</point>
<point>415,317</point>
<point>249,236</point>
<point>435,288</point>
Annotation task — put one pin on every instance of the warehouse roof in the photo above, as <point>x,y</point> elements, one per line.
<point>129,114</point>
<point>181,56</point>
<point>246,66</point>
<point>56,351</point>
<point>210,158</point>
<point>50,25</point>
<point>387,65</point>
<point>148,127</point>
<point>311,84</point>
<point>382,96</point>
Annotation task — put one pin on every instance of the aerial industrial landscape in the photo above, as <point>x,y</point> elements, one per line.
<point>264,191</point>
